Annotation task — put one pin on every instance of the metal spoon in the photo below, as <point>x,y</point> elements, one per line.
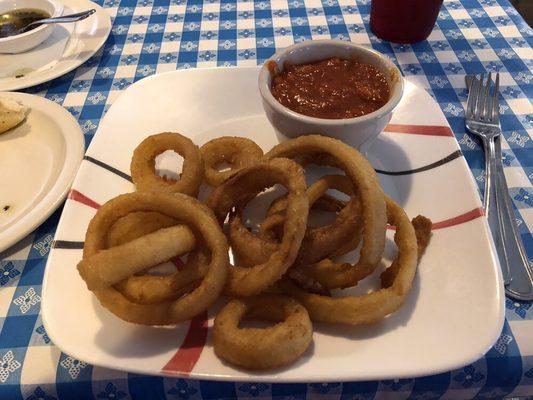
<point>59,20</point>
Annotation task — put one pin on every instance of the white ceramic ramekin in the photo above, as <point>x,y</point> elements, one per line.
<point>359,132</point>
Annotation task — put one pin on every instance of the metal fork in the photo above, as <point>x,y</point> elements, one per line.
<point>482,119</point>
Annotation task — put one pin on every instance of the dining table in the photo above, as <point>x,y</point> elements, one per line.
<point>154,36</point>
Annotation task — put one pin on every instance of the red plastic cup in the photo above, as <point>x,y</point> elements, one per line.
<point>403,21</point>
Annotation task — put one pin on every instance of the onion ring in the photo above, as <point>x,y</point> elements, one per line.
<point>238,152</point>
<point>318,242</point>
<point>133,257</point>
<point>371,307</point>
<point>239,189</point>
<point>143,164</point>
<point>187,211</point>
<point>135,225</point>
<point>365,183</point>
<point>321,242</point>
<point>147,288</point>
<point>255,348</point>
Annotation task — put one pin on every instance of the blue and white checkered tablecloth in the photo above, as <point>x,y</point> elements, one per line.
<point>151,36</point>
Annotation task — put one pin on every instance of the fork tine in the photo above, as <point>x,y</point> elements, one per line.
<point>472,96</point>
<point>487,107</point>
<point>478,107</point>
<point>495,117</point>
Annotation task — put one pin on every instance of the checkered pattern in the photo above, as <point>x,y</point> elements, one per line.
<point>151,36</point>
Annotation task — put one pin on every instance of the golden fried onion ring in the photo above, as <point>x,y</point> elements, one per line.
<point>256,348</point>
<point>237,191</point>
<point>238,152</point>
<point>366,185</point>
<point>146,288</point>
<point>109,266</point>
<point>339,237</point>
<point>373,306</point>
<point>184,209</point>
<point>323,241</point>
<point>143,164</point>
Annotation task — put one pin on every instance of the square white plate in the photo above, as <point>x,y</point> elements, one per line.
<point>452,316</point>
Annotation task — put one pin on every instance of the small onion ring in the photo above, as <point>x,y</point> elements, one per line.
<point>364,180</point>
<point>239,189</point>
<point>238,152</point>
<point>110,266</point>
<point>187,211</point>
<point>143,164</point>
<point>267,348</point>
<point>147,288</point>
<point>371,307</point>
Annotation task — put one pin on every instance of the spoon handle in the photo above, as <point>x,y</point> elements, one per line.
<point>64,18</point>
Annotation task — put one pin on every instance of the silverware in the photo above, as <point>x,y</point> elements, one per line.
<point>482,119</point>
<point>59,20</point>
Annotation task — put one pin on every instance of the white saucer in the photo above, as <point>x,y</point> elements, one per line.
<point>38,161</point>
<point>69,46</point>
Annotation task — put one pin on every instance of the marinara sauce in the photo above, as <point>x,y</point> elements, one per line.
<point>332,88</point>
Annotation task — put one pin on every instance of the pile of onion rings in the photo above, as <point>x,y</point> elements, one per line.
<point>284,271</point>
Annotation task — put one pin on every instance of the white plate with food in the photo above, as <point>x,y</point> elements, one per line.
<point>451,316</point>
<point>39,156</point>
<point>68,46</point>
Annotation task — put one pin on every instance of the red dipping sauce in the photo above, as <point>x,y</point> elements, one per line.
<point>403,21</point>
<point>331,89</point>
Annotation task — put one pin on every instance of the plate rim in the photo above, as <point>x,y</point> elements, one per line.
<point>74,151</point>
<point>473,356</point>
<point>54,72</point>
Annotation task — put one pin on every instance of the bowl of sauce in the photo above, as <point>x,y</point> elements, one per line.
<point>15,15</point>
<point>330,87</point>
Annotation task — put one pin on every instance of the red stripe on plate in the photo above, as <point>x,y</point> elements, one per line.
<point>460,219</point>
<point>81,198</point>
<point>183,362</point>
<point>431,130</point>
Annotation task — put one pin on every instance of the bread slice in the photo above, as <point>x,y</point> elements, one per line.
<point>12,113</point>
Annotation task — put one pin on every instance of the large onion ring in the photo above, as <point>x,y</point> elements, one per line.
<point>365,182</point>
<point>187,211</point>
<point>238,152</point>
<point>267,348</point>
<point>238,190</point>
<point>143,164</point>
<point>371,307</point>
